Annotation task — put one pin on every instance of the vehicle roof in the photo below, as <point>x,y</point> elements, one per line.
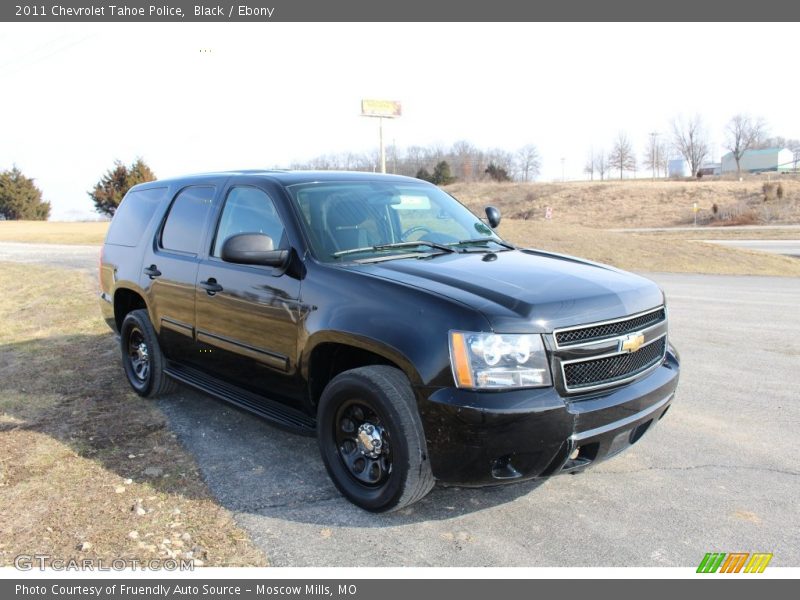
<point>286,177</point>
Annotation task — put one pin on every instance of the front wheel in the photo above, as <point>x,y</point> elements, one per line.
<point>371,439</point>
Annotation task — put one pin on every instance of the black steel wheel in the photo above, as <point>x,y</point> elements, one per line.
<point>138,355</point>
<point>363,443</point>
<point>142,358</point>
<point>371,439</point>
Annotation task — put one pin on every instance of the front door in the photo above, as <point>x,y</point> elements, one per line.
<point>248,316</point>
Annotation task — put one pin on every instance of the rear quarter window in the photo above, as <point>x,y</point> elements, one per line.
<point>133,216</point>
<point>185,224</point>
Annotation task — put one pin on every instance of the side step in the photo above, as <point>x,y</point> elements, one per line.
<point>276,412</point>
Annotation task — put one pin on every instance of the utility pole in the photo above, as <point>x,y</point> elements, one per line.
<point>654,151</point>
<point>383,150</point>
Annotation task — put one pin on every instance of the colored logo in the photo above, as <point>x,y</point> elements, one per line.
<point>632,342</point>
<point>734,562</point>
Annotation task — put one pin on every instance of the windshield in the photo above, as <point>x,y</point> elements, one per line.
<point>348,220</point>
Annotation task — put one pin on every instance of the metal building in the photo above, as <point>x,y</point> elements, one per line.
<point>757,161</point>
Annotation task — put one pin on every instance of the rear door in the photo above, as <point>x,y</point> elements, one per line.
<point>248,316</point>
<point>169,269</point>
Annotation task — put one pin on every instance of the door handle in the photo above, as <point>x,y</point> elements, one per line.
<point>211,286</point>
<point>152,272</point>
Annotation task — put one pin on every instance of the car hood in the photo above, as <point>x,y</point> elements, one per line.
<point>525,290</point>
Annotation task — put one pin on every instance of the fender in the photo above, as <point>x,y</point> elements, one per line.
<point>361,342</point>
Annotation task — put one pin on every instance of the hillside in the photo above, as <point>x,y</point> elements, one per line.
<point>638,203</point>
<point>646,253</point>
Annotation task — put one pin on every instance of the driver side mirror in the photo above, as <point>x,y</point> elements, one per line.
<point>253,249</point>
<point>493,216</point>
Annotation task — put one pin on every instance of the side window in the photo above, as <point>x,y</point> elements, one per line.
<point>133,216</point>
<point>248,210</point>
<point>183,230</point>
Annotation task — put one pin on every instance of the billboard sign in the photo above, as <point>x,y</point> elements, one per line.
<point>388,109</point>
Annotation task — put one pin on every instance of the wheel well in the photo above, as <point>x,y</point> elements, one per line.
<point>329,359</point>
<point>124,302</point>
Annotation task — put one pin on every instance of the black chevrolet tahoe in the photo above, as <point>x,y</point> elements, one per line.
<point>379,314</point>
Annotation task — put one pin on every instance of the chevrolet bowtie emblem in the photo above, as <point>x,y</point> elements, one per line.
<point>632,342</point>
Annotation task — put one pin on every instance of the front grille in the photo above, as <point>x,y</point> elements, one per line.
<point>602,331</point>
<point>605,371</point>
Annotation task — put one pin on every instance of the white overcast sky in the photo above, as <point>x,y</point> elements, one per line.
<point>75,97</point>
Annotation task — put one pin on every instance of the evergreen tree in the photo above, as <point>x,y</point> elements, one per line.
<point>112,187</point>
<point>20,198</point>
<point>497,173</point>
<point>424,175</point>
<point>441,174</point>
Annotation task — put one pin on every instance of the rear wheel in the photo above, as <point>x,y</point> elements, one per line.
<point>371,439</point>
<point>142,358</point>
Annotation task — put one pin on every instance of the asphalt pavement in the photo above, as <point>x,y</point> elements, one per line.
<point>71,256</point>
<point>719,473</point>
<point>785,247</point>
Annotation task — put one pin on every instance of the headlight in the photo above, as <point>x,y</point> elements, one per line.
<point>496,361</point>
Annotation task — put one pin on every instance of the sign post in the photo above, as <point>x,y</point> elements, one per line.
<point>382,109</point>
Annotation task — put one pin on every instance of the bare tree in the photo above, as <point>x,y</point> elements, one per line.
<point>779,142</point>
<point>589,166</point>
<point>743,132</point>
<point>689,139</point>
<point>601,164</point>
<point>528,162</point>
<point>501,159</point>
<point>662,161</point>
<point>465,160</point>
<point>622,157</point>
<point>652,157</point>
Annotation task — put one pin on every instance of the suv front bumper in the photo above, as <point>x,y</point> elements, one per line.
<point>489,438</point>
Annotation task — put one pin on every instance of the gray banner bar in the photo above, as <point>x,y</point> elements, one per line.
<point>731,587</point>
<point>396,10</point>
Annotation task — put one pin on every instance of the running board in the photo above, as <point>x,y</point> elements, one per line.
<point>271,410</point>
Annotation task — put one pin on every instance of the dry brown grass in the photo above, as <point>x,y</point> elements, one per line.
<point>632,203</point>
<point>84,462</point>
<point>646,252</point>
<point>53,232</point>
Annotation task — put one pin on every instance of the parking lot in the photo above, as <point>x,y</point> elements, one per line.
<point>718,473</point>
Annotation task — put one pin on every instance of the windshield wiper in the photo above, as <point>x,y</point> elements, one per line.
<point>472,242</point>
<point>415,244</point>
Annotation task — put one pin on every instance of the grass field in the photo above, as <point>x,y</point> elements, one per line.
<point>53,232</point>
<point>631,203</point>
<point>87,468</point>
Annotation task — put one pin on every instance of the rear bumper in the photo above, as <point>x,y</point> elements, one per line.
<point>107,310</point>
<point>482,438</point>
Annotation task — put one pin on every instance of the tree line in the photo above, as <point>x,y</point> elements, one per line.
<point>688,139</point>
<point>440,164</point>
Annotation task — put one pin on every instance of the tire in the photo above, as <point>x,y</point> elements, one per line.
<point>371,439</point>
<point>142,358</point>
